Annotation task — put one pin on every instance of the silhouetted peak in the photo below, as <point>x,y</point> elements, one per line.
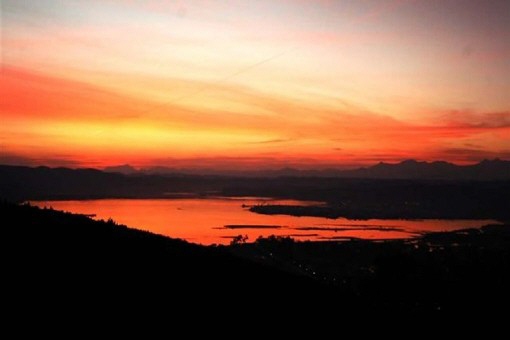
<point>379,165</point>
<point>494,165</point>
<point>493,161</point>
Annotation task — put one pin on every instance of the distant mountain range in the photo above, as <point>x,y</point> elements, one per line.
<point>485,170</point>
<point>496,169</point>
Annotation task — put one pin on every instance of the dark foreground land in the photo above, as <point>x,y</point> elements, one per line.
<point>69,262</point>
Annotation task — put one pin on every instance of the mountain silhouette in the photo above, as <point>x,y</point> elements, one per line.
<point>409,169</point>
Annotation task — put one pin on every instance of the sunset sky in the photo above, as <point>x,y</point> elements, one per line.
<point>253,84</point>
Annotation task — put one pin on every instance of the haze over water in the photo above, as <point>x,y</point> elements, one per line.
<point>218,220</point>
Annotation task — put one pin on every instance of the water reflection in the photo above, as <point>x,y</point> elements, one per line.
<point>219,220</point>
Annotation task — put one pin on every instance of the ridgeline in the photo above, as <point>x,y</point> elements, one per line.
<point>71,261</point>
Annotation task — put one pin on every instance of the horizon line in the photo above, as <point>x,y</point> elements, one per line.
<point>336,167</point>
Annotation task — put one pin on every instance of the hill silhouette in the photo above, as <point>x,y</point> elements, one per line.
<point>22,183</point>
<point>71,262</point>
<point>67,256</point>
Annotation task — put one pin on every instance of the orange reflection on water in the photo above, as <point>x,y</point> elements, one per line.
<point>218,220</point>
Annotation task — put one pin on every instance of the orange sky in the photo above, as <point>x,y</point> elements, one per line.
<point>240,84</point>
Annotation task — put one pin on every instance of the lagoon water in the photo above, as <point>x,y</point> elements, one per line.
<point>218,220</point>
